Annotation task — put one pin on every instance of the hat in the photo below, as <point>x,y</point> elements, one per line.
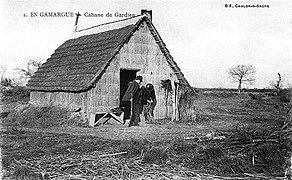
<point>149,87</point>
<point>139,78</point>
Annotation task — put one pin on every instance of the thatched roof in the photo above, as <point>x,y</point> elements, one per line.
<point>79,62</point>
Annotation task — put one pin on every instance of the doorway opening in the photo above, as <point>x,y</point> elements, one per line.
<point>126,76</point>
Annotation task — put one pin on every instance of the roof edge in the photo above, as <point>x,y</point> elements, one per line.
<point>106,26</point>
<point>168,55</point>
<point>108,23</point>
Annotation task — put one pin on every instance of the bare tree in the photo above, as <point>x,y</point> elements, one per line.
<point>31,68</point>
<point>278,85</point>
<point>242,74</point>
<point>26,73</point>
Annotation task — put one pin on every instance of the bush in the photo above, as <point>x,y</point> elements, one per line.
<point>40,117</point>
<point>6,82</point>
<point>17,93</point>
<point>78,119</point>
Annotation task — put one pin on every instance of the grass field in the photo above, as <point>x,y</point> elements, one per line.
<point>219,144</point>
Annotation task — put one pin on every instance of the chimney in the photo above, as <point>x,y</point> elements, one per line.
<point>148,13</point>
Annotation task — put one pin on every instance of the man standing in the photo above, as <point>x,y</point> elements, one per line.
<point>132,94</point>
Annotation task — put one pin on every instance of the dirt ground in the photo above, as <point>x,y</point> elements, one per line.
<point>215,114</point>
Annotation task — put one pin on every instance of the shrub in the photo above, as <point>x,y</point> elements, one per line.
<point>17,93</point>
<point>6,82</point>
<point>79,119</point>
<point>42,117</point>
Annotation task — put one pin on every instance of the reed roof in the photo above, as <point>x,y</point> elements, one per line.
<point>78,63</point>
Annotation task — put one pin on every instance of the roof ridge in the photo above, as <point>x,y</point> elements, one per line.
<point>108,23</point>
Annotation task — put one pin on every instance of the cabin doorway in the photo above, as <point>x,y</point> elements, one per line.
<point>126,76</point>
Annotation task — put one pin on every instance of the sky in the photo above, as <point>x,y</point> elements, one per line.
<point>204,37</point>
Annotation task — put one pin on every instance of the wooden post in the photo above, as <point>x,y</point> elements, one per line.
<point>91,119</point>
<point>173,101</point>
<point>176,101</point>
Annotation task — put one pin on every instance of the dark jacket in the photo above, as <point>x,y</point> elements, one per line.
<point>132,92</point>
<point>148,96</point>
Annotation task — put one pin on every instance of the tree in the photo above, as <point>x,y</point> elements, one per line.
<point>278,84</point>
<point>26,73</point>
<point>31,68</point>
<point>242,74</point>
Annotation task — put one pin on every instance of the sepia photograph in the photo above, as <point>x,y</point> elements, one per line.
<point>146,90</point>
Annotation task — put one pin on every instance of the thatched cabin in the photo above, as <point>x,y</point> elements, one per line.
<point>92,69</point>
